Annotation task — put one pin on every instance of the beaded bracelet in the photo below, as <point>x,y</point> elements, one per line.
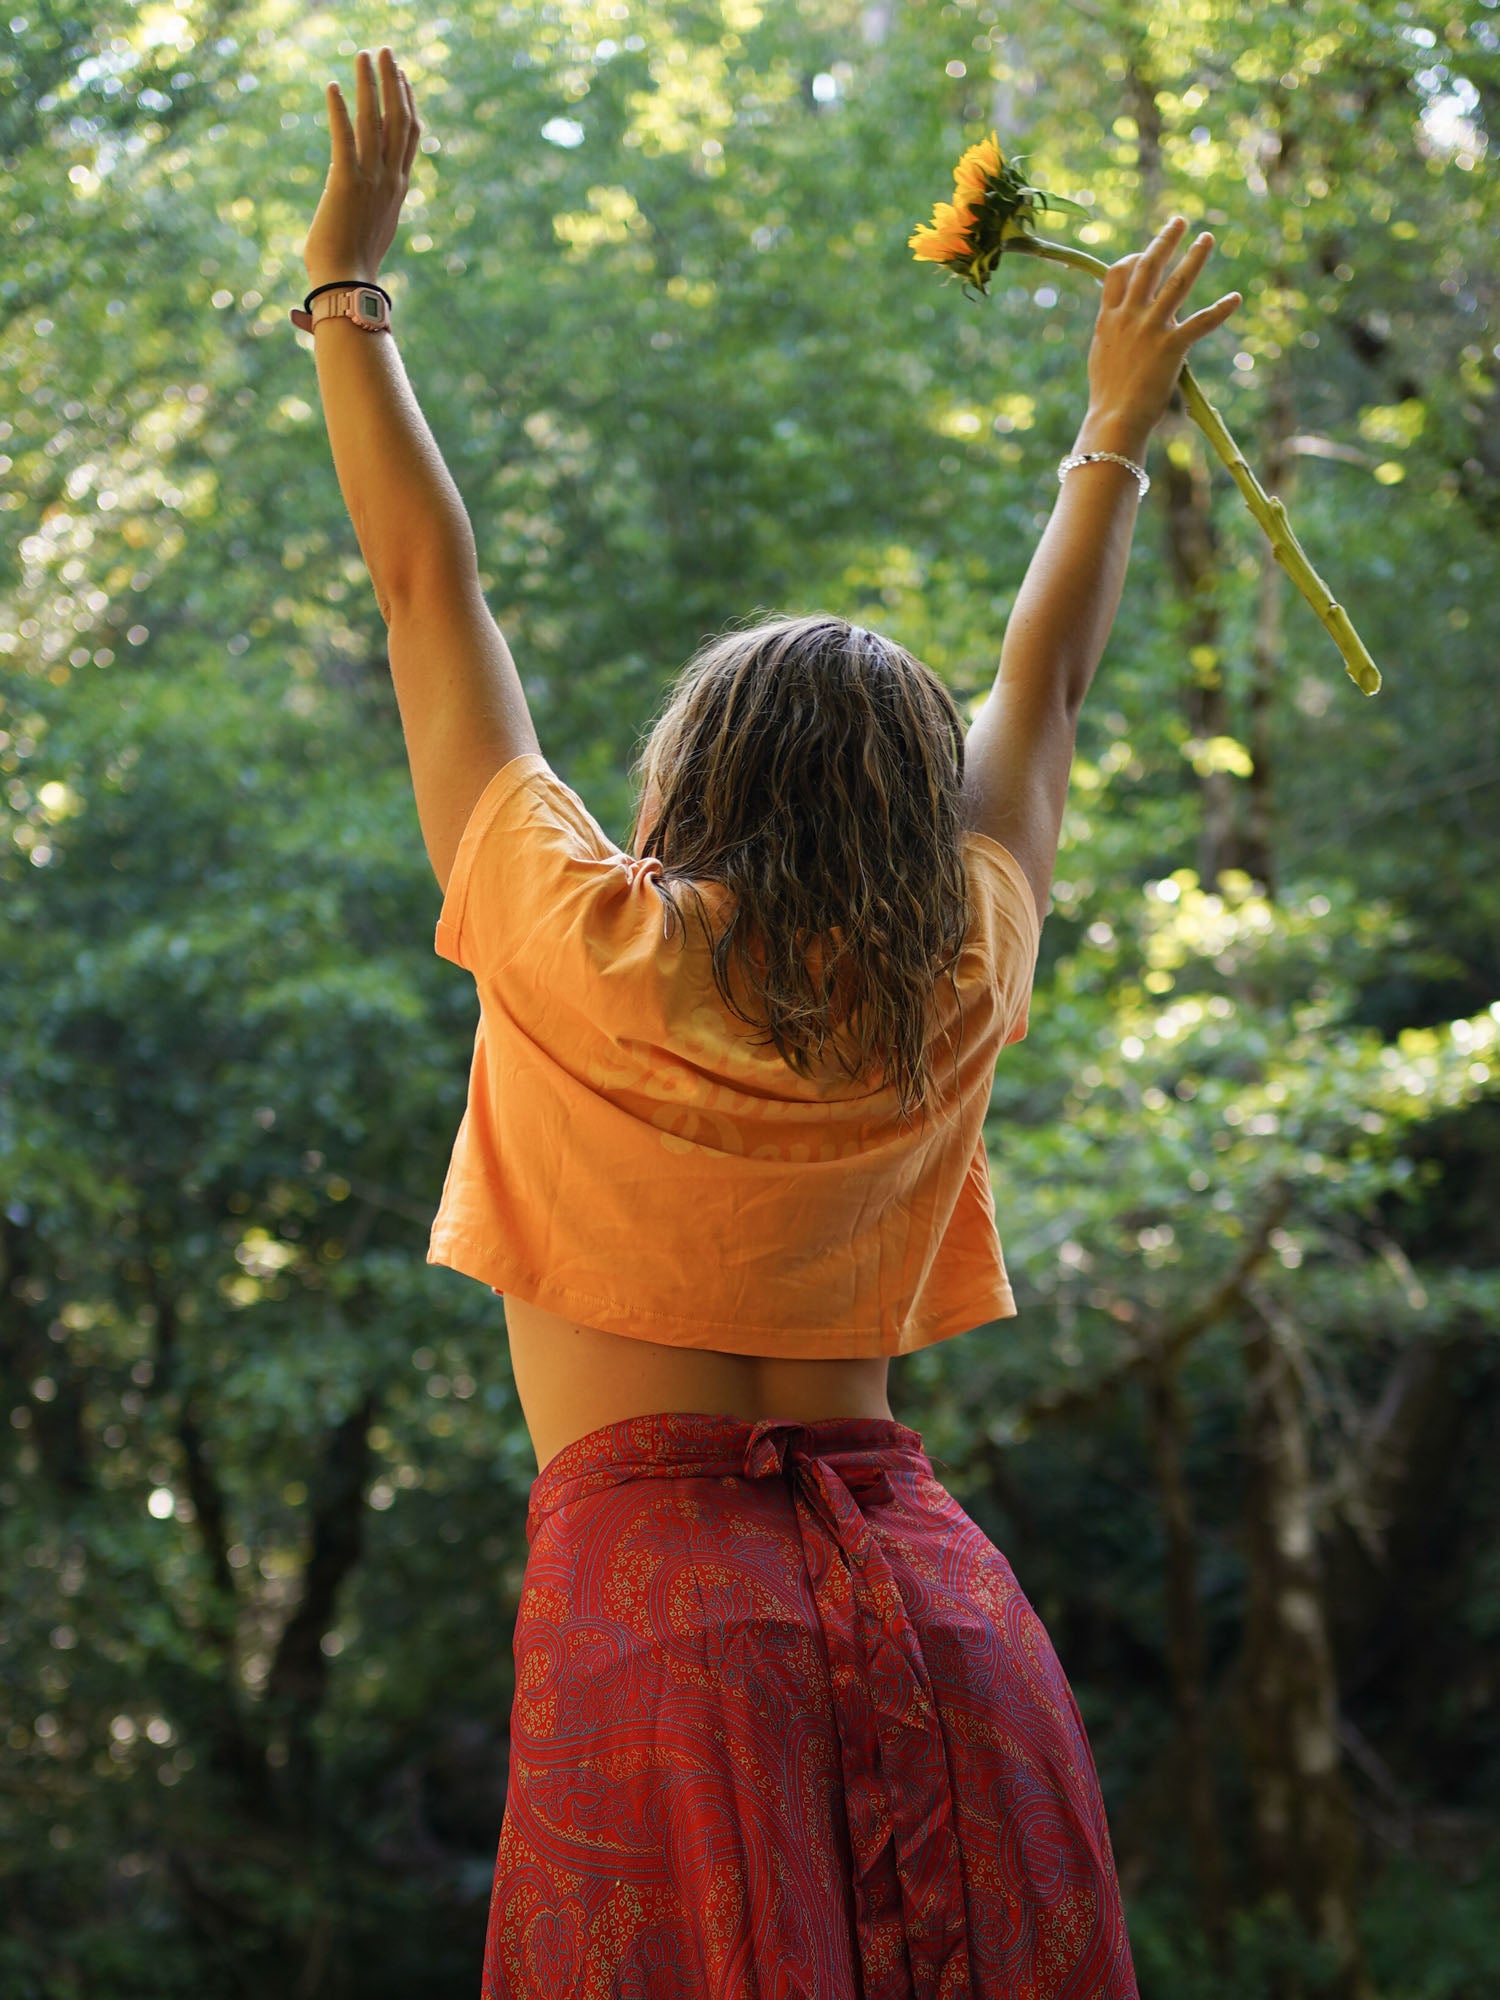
<point>1114,458</point>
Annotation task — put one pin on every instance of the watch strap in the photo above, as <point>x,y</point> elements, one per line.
<point>306,319</point>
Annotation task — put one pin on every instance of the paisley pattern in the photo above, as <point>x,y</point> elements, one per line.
<point>786,1728</point>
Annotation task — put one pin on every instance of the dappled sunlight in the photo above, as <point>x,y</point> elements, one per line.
<point>267,1472</point>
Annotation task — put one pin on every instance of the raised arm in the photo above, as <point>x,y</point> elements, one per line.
<point>463,710</point>
<point>1019,751</point>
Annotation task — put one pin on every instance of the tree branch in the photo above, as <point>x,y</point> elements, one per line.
<point>1151,1350</point>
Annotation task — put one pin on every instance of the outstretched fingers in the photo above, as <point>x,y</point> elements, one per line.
<point>1133,277</point>
<point>1136,281</point>
<point>1177,284</point>
<point>367,111</point>
<point>374,135</point>
<point>1210,317</point>
<point>1149,264</point>
<point>395,123</point>
<point>413,127</point>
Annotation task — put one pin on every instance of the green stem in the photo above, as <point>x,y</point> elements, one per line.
<point>1268,510</point>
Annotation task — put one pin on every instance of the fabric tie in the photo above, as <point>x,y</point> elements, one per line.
<point>908,1889</point>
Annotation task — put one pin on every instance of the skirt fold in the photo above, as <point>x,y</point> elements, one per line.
<point>786,1728</point>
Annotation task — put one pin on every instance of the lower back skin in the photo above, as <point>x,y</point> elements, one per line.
<point>573,1379</point>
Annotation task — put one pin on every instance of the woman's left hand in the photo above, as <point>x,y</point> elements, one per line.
<point>367,177</point>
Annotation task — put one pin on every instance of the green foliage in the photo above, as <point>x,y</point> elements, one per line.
<point>683,368</point>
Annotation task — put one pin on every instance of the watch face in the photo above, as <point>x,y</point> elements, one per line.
<point>368,304</point>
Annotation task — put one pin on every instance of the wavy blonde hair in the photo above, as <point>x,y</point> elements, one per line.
<point>815,769</point>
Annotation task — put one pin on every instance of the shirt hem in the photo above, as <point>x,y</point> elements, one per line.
<point>775,1343</point>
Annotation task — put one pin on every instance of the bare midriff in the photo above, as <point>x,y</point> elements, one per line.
<point>574,1379</point>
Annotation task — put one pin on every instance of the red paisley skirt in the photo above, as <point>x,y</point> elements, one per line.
<point>785,1728</point>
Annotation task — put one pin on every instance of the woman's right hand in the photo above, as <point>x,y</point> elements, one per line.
<point>1138,347</point>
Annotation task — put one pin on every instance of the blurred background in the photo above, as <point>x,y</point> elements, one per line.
<point>264,1473</point>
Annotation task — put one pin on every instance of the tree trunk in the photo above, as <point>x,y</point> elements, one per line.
<point>1168,1428</point>
<point>234,1747</point>
<point>875,23</point>
<point>298,1678</point>
<point>28,1355</point>
<point>1305,1839</point>
<point>1388,1515</point>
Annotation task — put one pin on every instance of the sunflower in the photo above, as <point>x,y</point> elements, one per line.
<point>993,207</point>
<point>991,203</point>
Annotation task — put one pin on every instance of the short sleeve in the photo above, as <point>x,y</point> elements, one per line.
<point>530,850</point>
<point>1008,918</point>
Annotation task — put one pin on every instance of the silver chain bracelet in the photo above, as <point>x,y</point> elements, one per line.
<point>1114,458</point>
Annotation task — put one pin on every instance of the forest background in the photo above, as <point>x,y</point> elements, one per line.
<point>264,1473</point>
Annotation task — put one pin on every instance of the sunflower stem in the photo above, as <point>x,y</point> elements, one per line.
<point>1267,509</point>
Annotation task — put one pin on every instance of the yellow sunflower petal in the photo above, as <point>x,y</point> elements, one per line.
<point>946,236</point>
<point>978,165</point>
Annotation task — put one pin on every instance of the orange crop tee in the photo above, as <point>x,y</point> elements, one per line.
<point>631,1159</point>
